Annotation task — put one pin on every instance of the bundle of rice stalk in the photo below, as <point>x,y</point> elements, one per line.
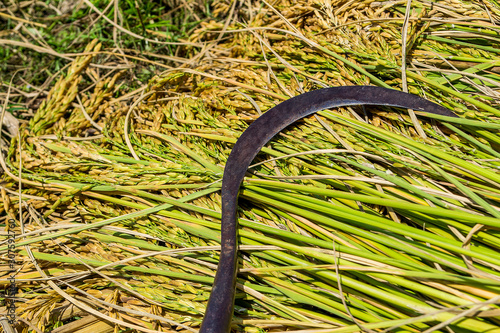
<point>353,220</point>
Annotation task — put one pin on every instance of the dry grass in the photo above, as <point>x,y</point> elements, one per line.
<point>120,223</point>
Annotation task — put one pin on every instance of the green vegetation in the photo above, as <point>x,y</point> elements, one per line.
<point>357,219</point>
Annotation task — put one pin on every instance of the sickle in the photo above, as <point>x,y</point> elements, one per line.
<point>219,310</point>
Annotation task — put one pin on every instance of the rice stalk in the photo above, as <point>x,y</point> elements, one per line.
<point>395,233</point>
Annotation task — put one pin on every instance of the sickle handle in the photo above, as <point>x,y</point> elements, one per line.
<point>219,310</point>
